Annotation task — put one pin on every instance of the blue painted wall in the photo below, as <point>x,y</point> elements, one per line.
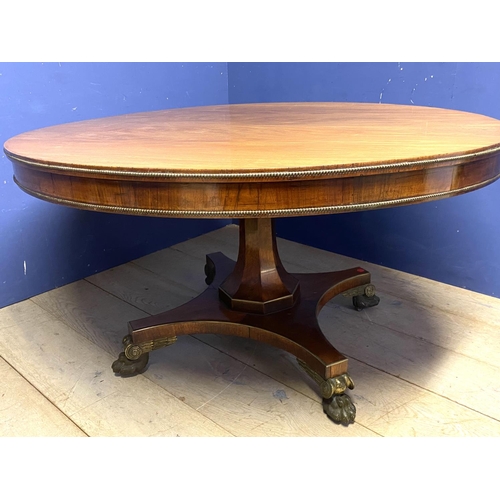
<point>43,246</point>
<point>456,240</point>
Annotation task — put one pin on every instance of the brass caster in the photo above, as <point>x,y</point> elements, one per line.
<point>340,409</point>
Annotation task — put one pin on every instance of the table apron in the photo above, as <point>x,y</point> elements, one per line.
<point>256,199</point>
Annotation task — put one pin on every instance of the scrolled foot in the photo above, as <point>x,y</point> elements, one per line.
<point>136,356</point>
<point>340,409</point>
<point>127,367</point>
<point>132,361</point>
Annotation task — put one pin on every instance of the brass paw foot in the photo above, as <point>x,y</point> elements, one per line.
<point>337,405</point>
<point>126,367</point>
<point>340,409</point>
<point>136,356</point>
<point>363,297</point>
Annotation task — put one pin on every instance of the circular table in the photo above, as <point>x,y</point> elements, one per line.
<point>257,162</point>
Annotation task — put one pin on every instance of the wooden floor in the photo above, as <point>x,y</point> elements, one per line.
<point>426,361</point>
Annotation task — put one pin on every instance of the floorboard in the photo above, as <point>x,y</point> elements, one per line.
<point>425,362</point>
<point>25,412</point>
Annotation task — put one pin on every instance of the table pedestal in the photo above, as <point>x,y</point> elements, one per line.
<point>256,298</point>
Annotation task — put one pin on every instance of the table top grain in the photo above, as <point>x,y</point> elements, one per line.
<point>250,138</point>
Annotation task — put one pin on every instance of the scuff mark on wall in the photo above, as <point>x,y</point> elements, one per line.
<point>383,90</point>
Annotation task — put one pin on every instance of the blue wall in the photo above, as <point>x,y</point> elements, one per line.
<point>456,240</point>
<point>43,246</point>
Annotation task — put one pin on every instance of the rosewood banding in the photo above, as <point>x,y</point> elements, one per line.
<point>257,199</point>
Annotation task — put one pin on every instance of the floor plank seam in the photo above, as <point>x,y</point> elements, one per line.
<point>286,385</point>
<point>369,429</point>
<point>99,401</point>
<point>134,305</point>
<point>424,305</point>
<point>414,337</point>
<point>298,391</point>
<point>44,396</point>
<point>376,368</point>
<point>224,353</point>
<point>140,375</point>
<point>200,258</point>
<point>390,291</point>
<point>163,278</point>
<point>224,389</point>
<point>254,368</point>
<point>188,254</point>
<point>423,388</point>
<point>62,320</point>
<point>394,409</point>
<point>122,294</point>
<point>116,297</point>
<point>332,307</point>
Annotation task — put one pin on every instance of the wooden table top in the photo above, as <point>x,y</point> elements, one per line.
<point>260,138</point>
<point>318,149</point>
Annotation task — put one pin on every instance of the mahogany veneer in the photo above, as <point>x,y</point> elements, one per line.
<point>259,160</point>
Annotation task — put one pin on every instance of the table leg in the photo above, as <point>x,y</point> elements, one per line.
<point>256,298</point>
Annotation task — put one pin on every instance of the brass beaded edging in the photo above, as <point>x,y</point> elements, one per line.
<point>252,175</point>
<point>250,213</point>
